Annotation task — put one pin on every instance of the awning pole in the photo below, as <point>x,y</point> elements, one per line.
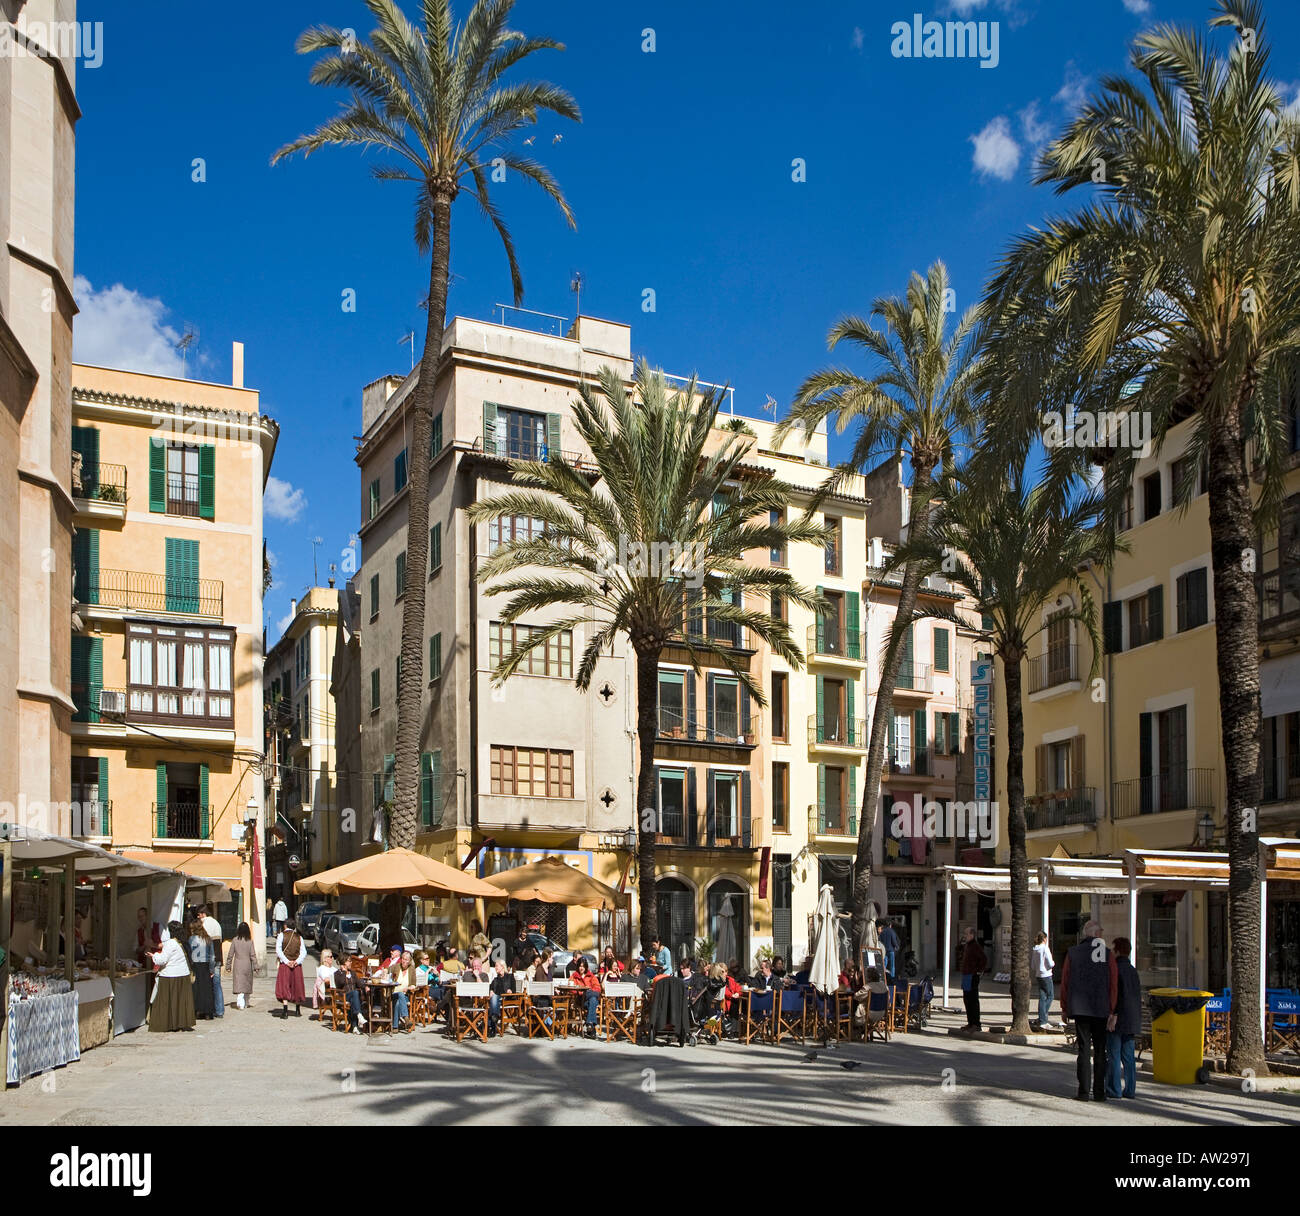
<point>69,907</point>
<point>1044,883</point>
<point>6,903</point>
<point>1263,942</point>
<point>112,927</point>
<point>1131,866</point>
<point>947,933</point>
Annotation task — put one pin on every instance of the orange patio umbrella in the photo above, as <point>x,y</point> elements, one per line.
<point>553,881</point>
<point>397,871</point>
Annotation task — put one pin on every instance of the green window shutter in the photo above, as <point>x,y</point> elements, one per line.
<point>207,482</point>
<point>821,626</point>
<point>374,596</point>
<point>821,794</point>
<point>399,471</point>
<point>374,689</point>
<point>1112,627</point>
<point>401,574</point>
<point>851,811</point>
<point>489,426</point>
<point>954,733</point>
<point>103,790</point>
<point>160,790</point>
<point>182,575</point>
<point>376,789</point>
<point>80,675</point>
<point>940,734</point>
<point>157,477</point>
<point>435,436</point>
<point>204,826</point>
<point>426,789</point>
<point>852,627</point>
<point>848,708</point>
<point>821,709</point>
<point>390,767</point>
<point>1156,611</point>
<point>85,441</point>
<point>552,436</point>
<point>374,498</point>
<point>941,650</point>
<point>92,565</point>
<point>919,740</point>
<point>435,782</point>
<point>95,678</point>
<point>435,657</point>
<point>435,548</point>
<point>85,564</point>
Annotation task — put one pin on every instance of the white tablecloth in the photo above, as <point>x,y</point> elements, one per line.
<point>42,1034</point>
<point>130,1001</point>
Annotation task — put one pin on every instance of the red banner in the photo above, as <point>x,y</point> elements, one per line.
<point>257,861</point>
<point>762,872</point>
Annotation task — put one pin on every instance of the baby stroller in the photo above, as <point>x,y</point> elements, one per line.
<point>704,1006</point>
<point>668,1014</point>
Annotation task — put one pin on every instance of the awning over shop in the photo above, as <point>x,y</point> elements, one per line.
<point>214,873</point>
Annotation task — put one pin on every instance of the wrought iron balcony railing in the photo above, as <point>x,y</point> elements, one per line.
<point>1061,808</point>
<point>717,728</point>
<point>1176,790</point>
<point>699,830</point>
<point>1060,665</point>
<point>100,483</point>
<point>914,677</point>
<point>915,762</point>
<point>837,732</point>
<point>830,641</point>
<point>149,592</point>
<point>182,820</point>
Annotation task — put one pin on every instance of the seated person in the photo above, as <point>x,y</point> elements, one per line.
<point>452,964</point>
<point>766,978</point>
<point>403,977</point>
<point>862,1010</point>
<point>540,970</point>
<point>477,972</point>
<point>345,977</point>
<point>585,980</point>
<point>804,975</point>
<point>733,993</point>
<point>502,981</point>
<point>424,974</point>
<point>393,959</point>
<point>324,977</point>
<point>639,974</point>
<point>610,967</point>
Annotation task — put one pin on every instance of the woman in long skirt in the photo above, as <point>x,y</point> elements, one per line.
<point>240,961</point>
<point>172,1007</point>
<point>201,959</point>
<point>290,949</point>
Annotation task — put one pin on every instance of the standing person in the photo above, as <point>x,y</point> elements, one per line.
<point>201,957</point>
<point>974,962</point>
<point>478,940</point>
<point>212,927</point>
<point>1124,1026</point>
<point>1043,964</point>
<point>290,949</point>
<point>172,1004</point>
<point>522,950</point>
<point>279,914</point>
<point>241,959</point>
<point>663,957</point>
<point>148,938</point>
<point>891,945</point>
<point>1089,994</point>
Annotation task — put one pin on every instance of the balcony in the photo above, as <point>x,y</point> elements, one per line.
<point>513,449</point>
<point>1062,808</point>
<point>679,828</point>
<point>1284,785</point>
<point>1058,667</point>
<point>182,820</point>
<point>1279,603</point>
<point>100,490</point>
<point>92,817</point>
<point>829,642</point>
<point>142,591</point>
<point>831,820</point>
<point>914,679</point>
<point>721,730</point>
<point>848,733</point>
<point>915,762</point>
<point>1189,789</point>
<point>726,634</point>
<point>140,705</point>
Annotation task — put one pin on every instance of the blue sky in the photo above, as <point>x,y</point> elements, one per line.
<point>680,176</point>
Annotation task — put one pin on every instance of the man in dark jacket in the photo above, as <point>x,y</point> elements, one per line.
<point>1124,1026</point>
<point>974,962</point>
<point>502,981</point>
<point>1089,994</point>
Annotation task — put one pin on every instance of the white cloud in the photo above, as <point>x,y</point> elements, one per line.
<point>1291,109</point>
<point>858,38</point>
<point>996,153</point>
<point>962,7</point>
<point>1034,130</point>
<point>118,327</point>
<point>1138,6</point>
<point>281,501</point>
<point>283,623</point>
<point>1074,91</point>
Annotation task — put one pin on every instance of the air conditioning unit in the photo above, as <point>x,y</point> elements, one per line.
<point>112,701</point>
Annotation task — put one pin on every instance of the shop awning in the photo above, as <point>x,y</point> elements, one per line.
<point>213,873</point>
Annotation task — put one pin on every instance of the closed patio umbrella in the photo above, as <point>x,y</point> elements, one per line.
<point>725,948</point>
<point>825,976</point>
<point>553,881</point>
<point>397,871</point>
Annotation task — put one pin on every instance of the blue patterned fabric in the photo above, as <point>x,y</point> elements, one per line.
<point>43,1034</point>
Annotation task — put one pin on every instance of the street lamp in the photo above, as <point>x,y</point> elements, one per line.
<point>629,840</point>
<point>1205,830</point>
<point>250,812</point>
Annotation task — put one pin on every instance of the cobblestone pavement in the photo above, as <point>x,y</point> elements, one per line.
<point>253,1067</point>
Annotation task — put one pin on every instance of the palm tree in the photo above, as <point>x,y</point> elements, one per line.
<point>1014,550</point>
<point>920,401</point>
<point>1175,291</point>
<point>666,481</point>
<point>437,100</point>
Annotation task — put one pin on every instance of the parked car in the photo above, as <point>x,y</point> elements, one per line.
<point>562,956</point>
<point>342,932</point>
<point>311,916</point>
<point>368,941</point>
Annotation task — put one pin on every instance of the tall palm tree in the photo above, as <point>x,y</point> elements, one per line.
<point>1014,550</point>
<point>1175,291</point>
<point>667,478</point>
<point>919,401</point>
<point>437,100</point>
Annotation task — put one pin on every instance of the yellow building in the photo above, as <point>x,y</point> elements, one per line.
<point>1134,758</point>
<point>167,660</point>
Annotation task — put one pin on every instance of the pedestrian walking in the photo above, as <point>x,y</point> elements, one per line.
<point>201,958</point>
<point>1124,1026</point>
<point>212,927</point>
<point>241,959</point>
<point>172,1005</point>
<point>1089,993</point>
<point>891,945</point>
<point>290,949</point>
<point>1043,964</point>
<point>974,962</point>
<point>279,914</point>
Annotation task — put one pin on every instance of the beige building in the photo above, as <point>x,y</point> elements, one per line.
<point>167,662</point>
<point>38,111</point>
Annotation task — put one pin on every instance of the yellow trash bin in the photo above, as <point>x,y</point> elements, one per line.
<point>1178,1034</point>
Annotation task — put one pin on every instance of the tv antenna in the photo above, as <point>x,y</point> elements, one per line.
<point>316,542</point>
<point>187,339</point>
<point>769,406</point>
<point>575,286</point>
<point>410,337</point>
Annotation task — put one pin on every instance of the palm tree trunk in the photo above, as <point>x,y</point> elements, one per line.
<point>1236,631</point>
<point>406,796</point>
<point>1016,831</point>
<point>647,708</point>
<point>882,722</point>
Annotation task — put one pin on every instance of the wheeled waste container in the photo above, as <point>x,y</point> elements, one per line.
<point>1178,1034</point>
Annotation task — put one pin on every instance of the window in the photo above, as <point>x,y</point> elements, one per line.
<point>833,639</point>
<point>374,498</point>
<point>397,684</point>
<point>181,807</point>
<point>1188,478</point>
<point>780,705</point>
<point>90,795</point>
<point>513,529</point>
<point>833,819</point>
<point>781,796</point>
<point>672,803</point>
<point>435,436</point>
<point>179,675</point>
<point>401,574</point>
<point>1058,766</point>
<point>435,657</point>
<point>1150,496</point>
<point>302,657</point>
<point>726,806</point>
<point>940,734</point>
<point>1146,618</point>
<point>672,704</point>
<point>776,609</point>
<point>531,772</point>
<point>1059,667</point>
<point>435,549</point>
<point>523,433</point>
<point>374,596</point>
<point>725,708</point>
<point>832,710</point>
<point>554,657</point>
<point>833,543</point>
<point>941,649</point>
<point>776,555</point>
<point>182,480</point>
<point>1126,510</point>
<point>182,592</point>
<point>399,472</point>
<point>374,690</point>
<point>1193,599</point>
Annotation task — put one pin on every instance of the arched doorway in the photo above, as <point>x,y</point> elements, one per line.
<point>676,916</point>
<point>736,944</point>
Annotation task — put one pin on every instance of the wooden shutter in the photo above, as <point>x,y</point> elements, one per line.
<point>207,481</point>
<point>435,656</point>
<point>852,735</point>
<point>374,596</point>
<point>940,733</point>
<point>821,709</point>
<point>426,789</point>
<point>1112,627</point>
<point>742,728</point>
<point>851,810</point>
<point>954,733</point>
<point>919,742</point>
<point>746,832</point>
<point>692,812</point>
<point>821,795</point>
<point>1145,763</point>
<point>708,716</point>
<point>160,807</point>
<point>203,802</point>
<point>435,436</point>
<point>1156,612</point>
<point>85,441</point>
<point>435,548</point>
<point>1041,780</point>
<point>821,629</point>
<point>104,823</point>
<point>85,564</point>
<point>1077,774</point>
<point>390,767</point>
<point>552,436</point>
<point>489,426</point>
<point>710,809</point>
<point>157,477</point>
<point>853,628</point>
<point>94,677</point>
<point>941,650</point>
<point>435,784</point>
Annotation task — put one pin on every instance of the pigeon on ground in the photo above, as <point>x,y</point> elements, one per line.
<point>850,1064</point>
<point>810,1058</point>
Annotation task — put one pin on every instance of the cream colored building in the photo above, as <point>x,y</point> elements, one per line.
<point>38,111</point>
<point>167,663</point>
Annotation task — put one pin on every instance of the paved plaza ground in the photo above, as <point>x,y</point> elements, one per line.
<point>254,1068</point>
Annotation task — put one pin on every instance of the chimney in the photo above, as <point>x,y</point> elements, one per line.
<point>237,364</point>
<point>293,608</point>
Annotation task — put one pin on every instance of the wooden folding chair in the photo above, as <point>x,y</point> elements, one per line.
<point>879,1016</point>
<point>540,1019</point>
<point>620,1011</point>
<point>470,1011</point>
<point>334,1011</point>
<point>514,1010</point>
<point>756,1015</point>
<point>1282,1028</point>
<point>418,1003</point>
<point>898,1007</point>
<point>839,1016</point>
<point>790,1016</point>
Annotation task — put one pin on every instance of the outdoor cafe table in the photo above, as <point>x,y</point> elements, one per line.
<point>378,992</point>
